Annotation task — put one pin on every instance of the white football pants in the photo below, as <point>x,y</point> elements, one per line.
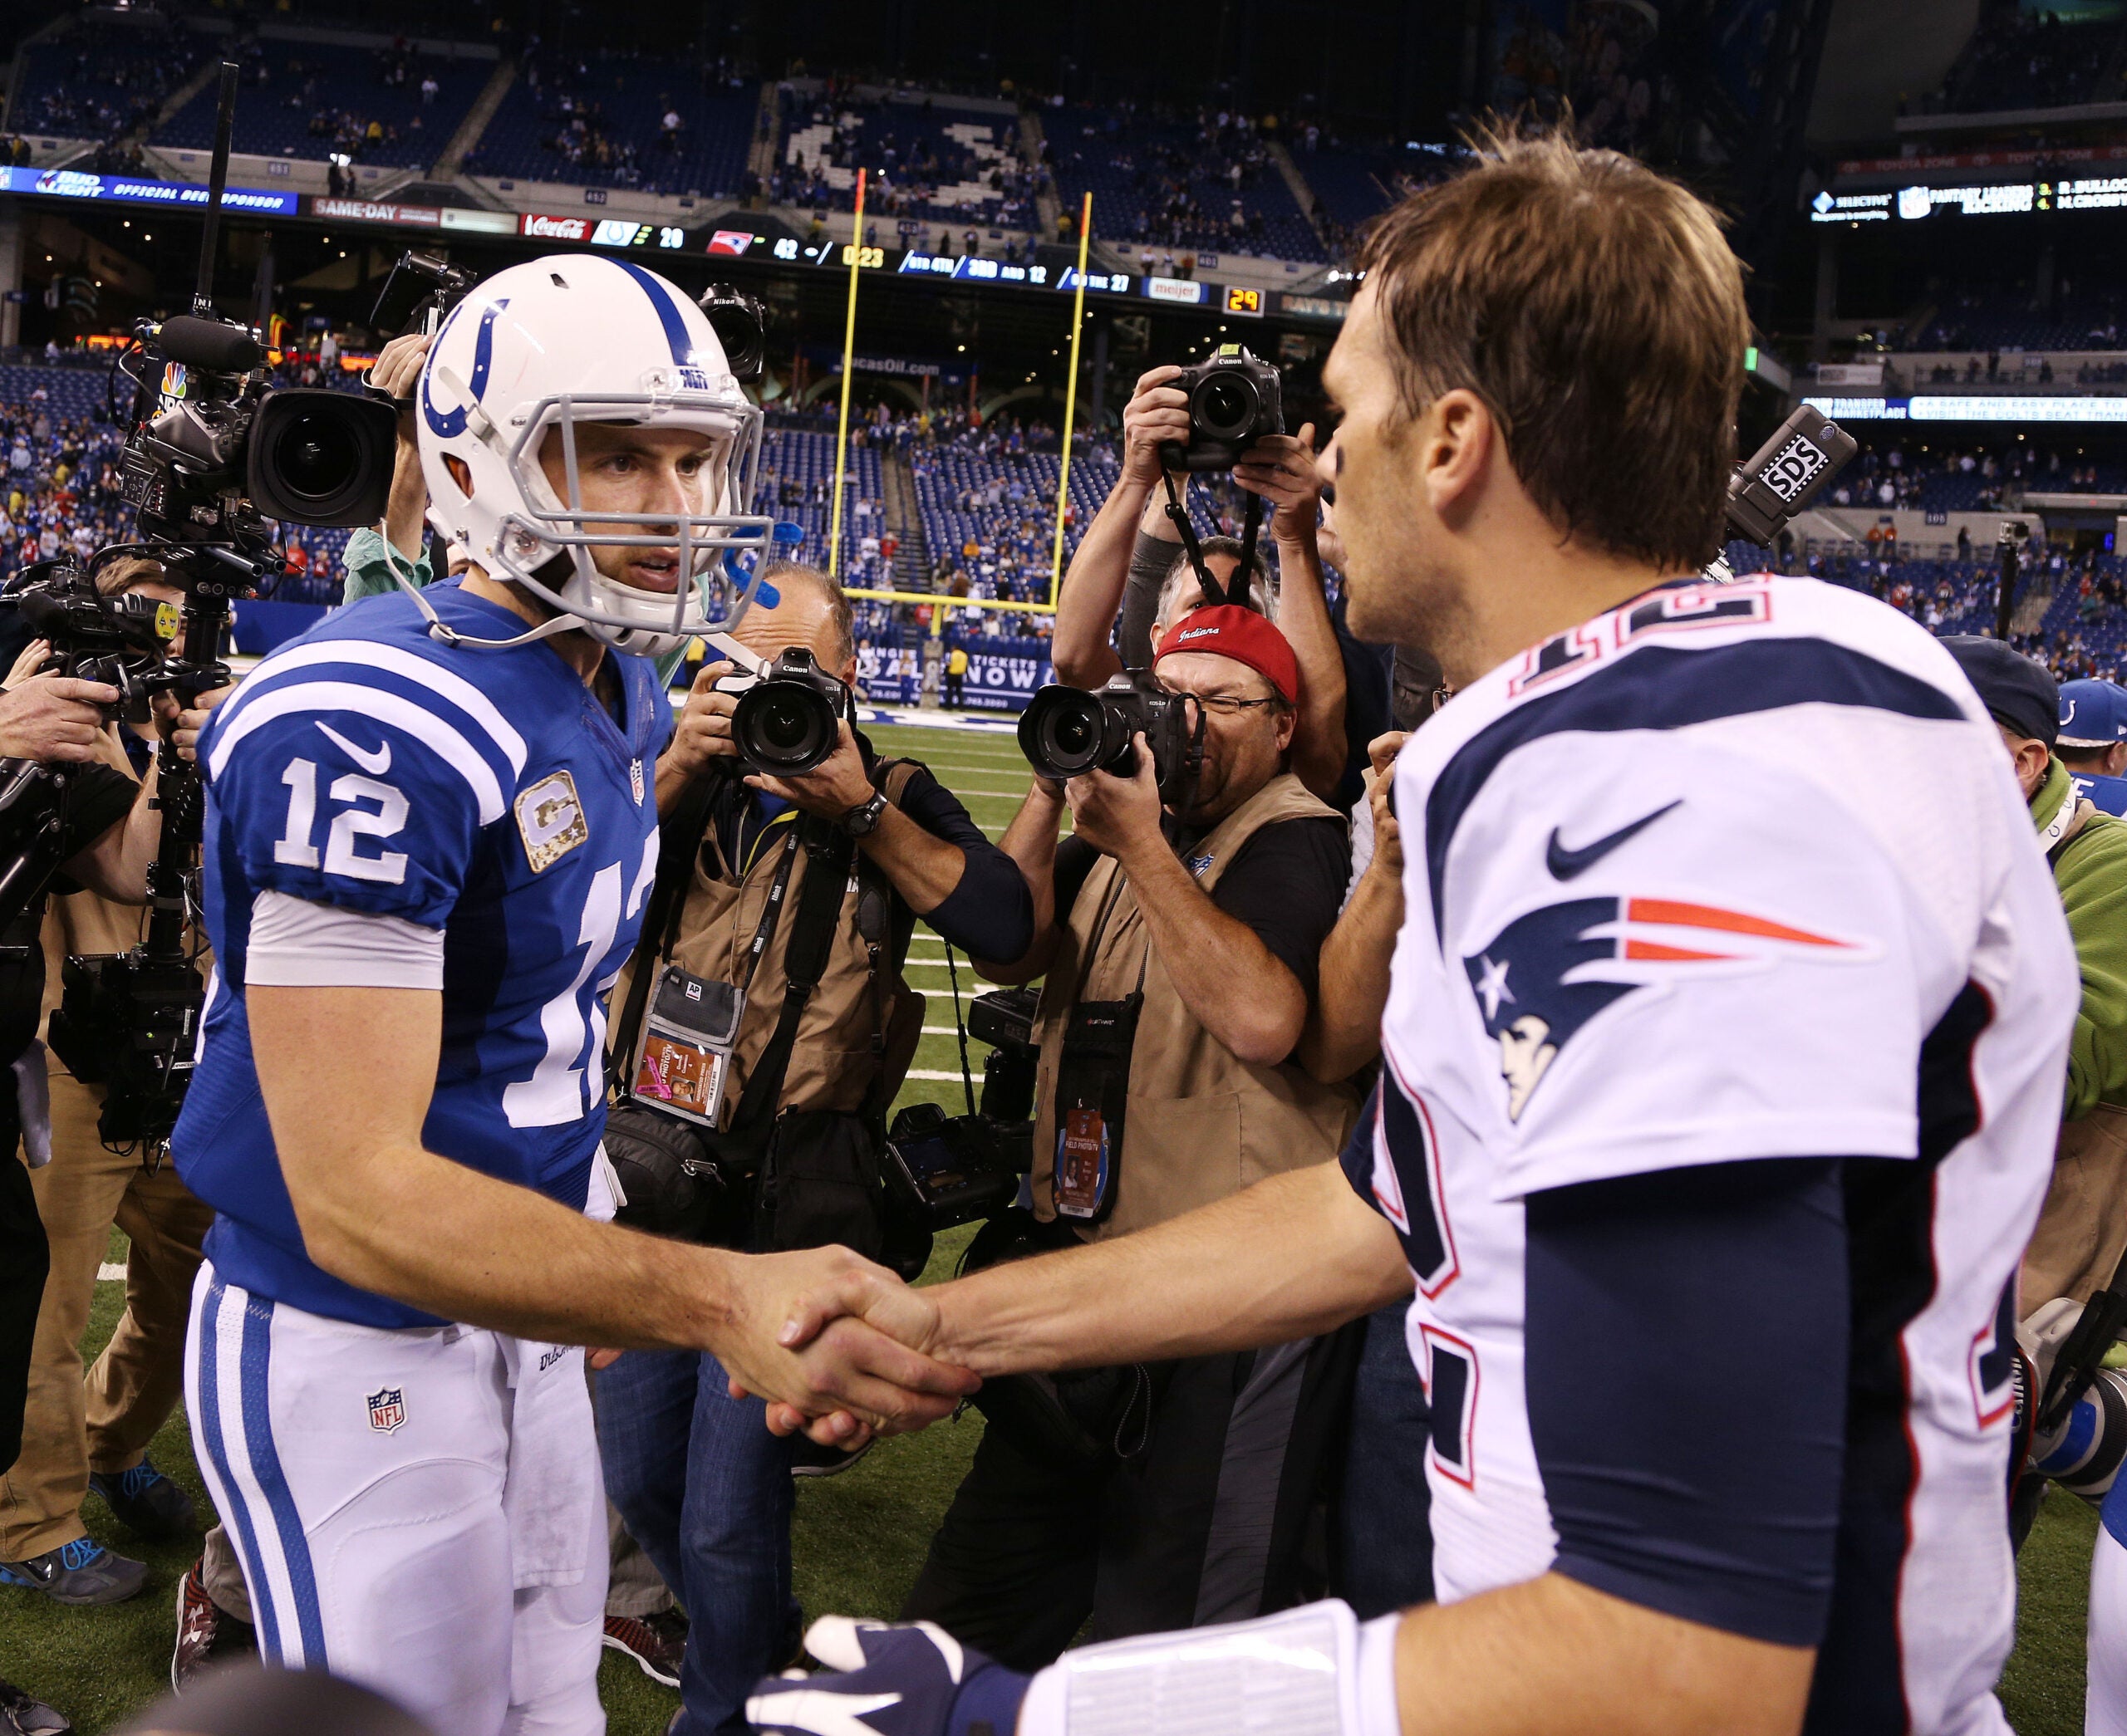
<point>420,1512</point>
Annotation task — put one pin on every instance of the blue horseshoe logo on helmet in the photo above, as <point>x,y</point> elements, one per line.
<point>448,424</point>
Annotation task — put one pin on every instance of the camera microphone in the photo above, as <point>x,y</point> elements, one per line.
<point>209,344</point>
<point>42,613</point>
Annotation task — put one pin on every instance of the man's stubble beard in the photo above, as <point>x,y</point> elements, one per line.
<point>1400,599</point>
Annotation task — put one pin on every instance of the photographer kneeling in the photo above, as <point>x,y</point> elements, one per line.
<point>1179,930</point>
<point>766,1006</point>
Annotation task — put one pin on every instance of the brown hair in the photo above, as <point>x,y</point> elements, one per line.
<point>838,608</point>
<point>122,572</point>
<point>1596,310</point>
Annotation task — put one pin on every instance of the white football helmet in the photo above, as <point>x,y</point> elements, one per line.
<point>560,341</point>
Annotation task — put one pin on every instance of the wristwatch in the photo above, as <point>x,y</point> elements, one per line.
<point>862,820</point>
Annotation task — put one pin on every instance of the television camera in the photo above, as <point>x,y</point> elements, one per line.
<point>215,452</point>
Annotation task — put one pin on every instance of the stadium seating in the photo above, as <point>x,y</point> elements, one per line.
<point>1170,183</point>
<point>2005,321</point>
<point>795,482</point>
<point>304,101</point>
<point>600,123</point>
<point>98,80</point>
<point>2018,59</point>
<point>927,159</point>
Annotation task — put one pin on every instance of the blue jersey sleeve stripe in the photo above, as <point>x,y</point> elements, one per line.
<point>305,698</point>
<point>368,653</point>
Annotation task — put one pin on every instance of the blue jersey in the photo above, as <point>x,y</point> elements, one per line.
<point>487,794</point>
<point>2110,794</point>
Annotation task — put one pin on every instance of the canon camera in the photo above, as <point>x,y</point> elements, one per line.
<point>1234,401</point>
<point>789,715</point>
<point>1066,732</point>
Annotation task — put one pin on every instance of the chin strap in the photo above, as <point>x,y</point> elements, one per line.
<point>440,630</point>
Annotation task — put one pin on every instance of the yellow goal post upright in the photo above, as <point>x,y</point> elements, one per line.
<point>849,376</point>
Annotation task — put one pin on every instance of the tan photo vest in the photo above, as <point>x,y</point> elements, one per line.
<point>1200,1123</point>
<point>862,1024</point>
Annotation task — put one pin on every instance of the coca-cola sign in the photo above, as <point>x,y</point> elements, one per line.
<point>539,225</point>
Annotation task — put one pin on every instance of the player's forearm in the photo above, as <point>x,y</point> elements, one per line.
<point>1343,1025</point>
<point>1231,983</point>
<point>1298,1254</point>
<point>1092,590</point>
<point>1553,1657</point>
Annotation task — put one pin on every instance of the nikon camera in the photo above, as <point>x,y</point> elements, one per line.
<point>1233,403</point>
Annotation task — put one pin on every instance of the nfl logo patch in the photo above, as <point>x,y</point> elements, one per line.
<point>635,777</point>
<point>387,1409</point>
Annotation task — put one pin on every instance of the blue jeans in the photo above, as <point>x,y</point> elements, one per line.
<point>705,1489</point>
<point>1384,1521</point>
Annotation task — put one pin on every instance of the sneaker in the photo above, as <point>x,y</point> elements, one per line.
<point>146,1502</point>
<point>657,1643</point>
<point>20,1715</point>
<point>810,1459</point>
<point>81,1571</point>
<point>205,1631</point>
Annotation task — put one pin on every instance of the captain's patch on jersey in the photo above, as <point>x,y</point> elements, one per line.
<point>550,820</point>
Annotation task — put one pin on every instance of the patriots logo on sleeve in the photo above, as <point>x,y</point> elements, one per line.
<point>1543,977</point>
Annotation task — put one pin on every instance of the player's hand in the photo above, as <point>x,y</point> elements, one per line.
<point>33,658</point>
<point>1328,545</point>
<point>1280,468</point>
<point>53,717</point>
<point>397,371</point>
<point>897,1678</point>
<point>599,1360</point>
<point>1115,814</point>
<point>835,1343</point>
<point>1157,413</point>
<point>704,730</point>
<point>838,784</point>
<point>182,724</point>
<point>1380,790</point>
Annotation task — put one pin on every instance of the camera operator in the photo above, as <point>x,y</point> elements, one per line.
<point>694,1473</point>
<point>1131,559</point>
<point>1206,919</point>
<point>395,372</point>
<point>80,1435</point>
<point>109,826</point>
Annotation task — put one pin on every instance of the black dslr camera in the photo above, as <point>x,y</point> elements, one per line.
<point>1065,732</point>
<point>789,715</point>
<point>954,1169</point>
<point>740,323</point>
<point>1233,403</point>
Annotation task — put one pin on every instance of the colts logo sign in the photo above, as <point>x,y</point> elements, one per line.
<point>387,1410</point>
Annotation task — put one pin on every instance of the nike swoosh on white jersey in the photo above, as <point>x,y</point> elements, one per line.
<point>376,763</point>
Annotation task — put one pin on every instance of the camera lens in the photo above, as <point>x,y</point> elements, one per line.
<point>784,728</point>
<point>1060,732</point>
<point>315,457</point>
<point>1226,406</point>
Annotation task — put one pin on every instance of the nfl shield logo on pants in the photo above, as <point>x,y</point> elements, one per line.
<point>387,1409</point>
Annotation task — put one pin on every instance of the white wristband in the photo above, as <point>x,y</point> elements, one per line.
<point>1312,1671</point>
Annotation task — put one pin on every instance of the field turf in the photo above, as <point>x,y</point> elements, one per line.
<point>860,1537</point>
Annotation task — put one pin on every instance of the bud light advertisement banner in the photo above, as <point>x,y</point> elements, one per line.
<point>1002,673</point>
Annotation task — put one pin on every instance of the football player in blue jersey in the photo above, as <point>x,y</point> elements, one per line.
<point>1719,1084</point>
<point>431,827</point>
<point>2093,742</point>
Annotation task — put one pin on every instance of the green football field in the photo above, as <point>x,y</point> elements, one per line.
<point>860,1537</point>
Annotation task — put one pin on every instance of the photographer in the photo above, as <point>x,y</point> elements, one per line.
<point>109,826</point>
<point>1132,560</point>
<point>1188,935</point>
<point>80,1435</point>
<point>370,554</point>
<point>701,1483</point>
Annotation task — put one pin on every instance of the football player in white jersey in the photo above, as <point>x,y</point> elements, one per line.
<point>431,827</point>
<point>1720,1078</point>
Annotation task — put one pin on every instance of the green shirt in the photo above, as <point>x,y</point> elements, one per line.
<point>2091,873</point>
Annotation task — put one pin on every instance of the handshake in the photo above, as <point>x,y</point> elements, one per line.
<point>843,1350</point>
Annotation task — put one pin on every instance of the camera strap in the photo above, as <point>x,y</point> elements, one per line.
<point>1178,515</point>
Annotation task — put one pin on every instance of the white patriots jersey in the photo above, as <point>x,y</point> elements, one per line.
<point>487,794</point>
<point>1733,873</point>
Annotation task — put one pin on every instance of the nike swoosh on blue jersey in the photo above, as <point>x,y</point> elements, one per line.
<point>1565,864</point>
<point>376,762</point>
